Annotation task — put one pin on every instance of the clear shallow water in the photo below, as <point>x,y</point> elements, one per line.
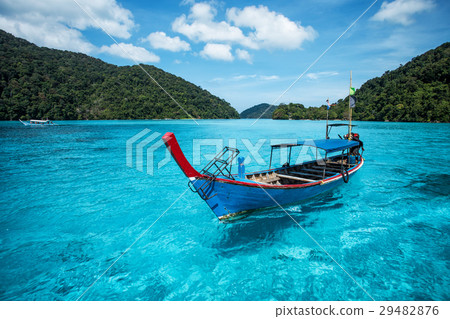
<point>69,206</point>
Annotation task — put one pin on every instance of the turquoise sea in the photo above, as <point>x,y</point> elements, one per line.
<point>70,206</point>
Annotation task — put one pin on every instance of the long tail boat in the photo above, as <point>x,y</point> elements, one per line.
<point>229,195</point>
<point>37,123</point>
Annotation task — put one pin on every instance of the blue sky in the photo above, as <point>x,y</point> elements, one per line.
<point>246,52</point>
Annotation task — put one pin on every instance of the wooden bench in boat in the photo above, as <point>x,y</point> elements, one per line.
<point>306,174</point>
<point>318,171</point>
<point>264,178</point>
<point>328,168</point>
<point>338,165</point>
<point>270,179</point>
<point>297,178</point>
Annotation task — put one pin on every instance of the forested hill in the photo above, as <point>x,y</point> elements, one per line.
<point>44,83</point>
<point>255,112</point>
<point>418,91</point>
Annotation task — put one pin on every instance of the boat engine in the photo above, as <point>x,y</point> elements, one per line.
<point>355,150</point>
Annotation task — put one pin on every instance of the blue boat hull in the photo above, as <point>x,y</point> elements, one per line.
<point>233,195</point>
<point>228,198</point>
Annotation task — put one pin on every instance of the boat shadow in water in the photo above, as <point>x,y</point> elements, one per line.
<point>329,200</point>
<point>264,226</point>
<point>431,184</point>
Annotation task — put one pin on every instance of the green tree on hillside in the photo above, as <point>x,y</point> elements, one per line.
<point>61,85</point>
<point>418,91</point>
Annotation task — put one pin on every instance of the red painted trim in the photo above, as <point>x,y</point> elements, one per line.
<point>178,155</point>
<point>174,148</point>
<point>353,170</point>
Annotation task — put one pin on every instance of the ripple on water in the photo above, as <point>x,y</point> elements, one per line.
<point>69,207</point>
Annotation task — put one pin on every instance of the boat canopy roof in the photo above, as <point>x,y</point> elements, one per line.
<point>341,124</point>
<point>330,145</point>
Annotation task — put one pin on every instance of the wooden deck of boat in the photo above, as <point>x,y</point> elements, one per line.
<point>299,174</point>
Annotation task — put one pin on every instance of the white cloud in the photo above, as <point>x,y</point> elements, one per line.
<point>271,30</point>
<point>268,29</point>
<point>244,77</point>
<point>110,15</point>
<point>187,2</point>
<point>53,35</point>
<point>216,51</point>
<point>400,11</point>
<point>243,55</point>
<point>315,76</point>
<point>269,77</point>
<point>129,51</point>
<point>248,77</point>
<point>57,24</point>
<point>159,40</point>
<point>203,12</point>
<point>200,27</point>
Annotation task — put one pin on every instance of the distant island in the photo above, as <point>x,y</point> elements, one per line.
<point>418,91</point>
<point>263,110</point>
<point>39,83</point>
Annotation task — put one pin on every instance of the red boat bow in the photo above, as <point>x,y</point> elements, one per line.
<point>174,148</point>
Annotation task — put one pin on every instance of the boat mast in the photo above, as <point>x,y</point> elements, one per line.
<point>350,109</point>
<point>326,133</point>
